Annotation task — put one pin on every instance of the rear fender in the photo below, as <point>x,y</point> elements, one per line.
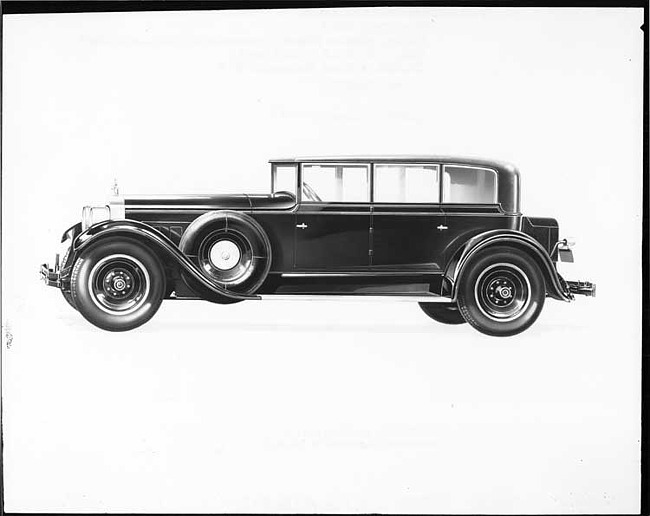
<point>159,243</point>
<point>556,287</point>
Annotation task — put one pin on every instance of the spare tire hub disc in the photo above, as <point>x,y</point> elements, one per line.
<point>224,255</point>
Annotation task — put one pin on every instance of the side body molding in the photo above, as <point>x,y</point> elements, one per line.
<point>159,242</point>
<point>556,286</point>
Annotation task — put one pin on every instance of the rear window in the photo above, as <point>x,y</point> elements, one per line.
<point>469,185</point>
<point>406,183</point>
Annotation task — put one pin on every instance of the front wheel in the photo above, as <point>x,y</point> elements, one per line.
<point>502,291</point>
<point>117,284</point>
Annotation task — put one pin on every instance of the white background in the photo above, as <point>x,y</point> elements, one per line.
<point>322,407</point>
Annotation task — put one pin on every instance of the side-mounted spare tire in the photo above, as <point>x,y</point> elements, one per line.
<point>230,249</point>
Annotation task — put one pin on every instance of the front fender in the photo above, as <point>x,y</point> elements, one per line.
<point>556,286</point>
<point>71,232</point>
<point>147,235</point>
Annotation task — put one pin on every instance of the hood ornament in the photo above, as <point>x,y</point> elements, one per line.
<point>116,189</point>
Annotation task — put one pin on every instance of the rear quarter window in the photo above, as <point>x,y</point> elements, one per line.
<point>463,184</point>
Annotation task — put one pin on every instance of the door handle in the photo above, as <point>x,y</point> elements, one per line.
<point>442,228</point>
<point>302,226</point>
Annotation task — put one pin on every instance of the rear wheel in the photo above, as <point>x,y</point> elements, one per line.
<point>443,313</point>
<point>502,291</point>
<point>117,284</point>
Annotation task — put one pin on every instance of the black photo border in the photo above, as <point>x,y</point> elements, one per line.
<point>77,6</point>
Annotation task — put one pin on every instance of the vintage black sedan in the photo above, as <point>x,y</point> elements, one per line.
<point>446,232</point>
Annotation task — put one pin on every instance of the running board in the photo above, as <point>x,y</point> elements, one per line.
<point>419,298</point>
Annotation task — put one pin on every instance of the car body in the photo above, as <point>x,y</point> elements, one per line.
<point>446,232</point>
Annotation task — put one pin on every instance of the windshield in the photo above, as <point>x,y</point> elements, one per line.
<point>284,178</point>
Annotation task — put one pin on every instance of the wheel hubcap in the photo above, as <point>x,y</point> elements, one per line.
<point>502,292</point>
<point>119,284</point>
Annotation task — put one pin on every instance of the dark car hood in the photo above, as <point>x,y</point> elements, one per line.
<point>244,202</point>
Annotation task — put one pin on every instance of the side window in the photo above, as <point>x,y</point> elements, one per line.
<point>407,183</point>
<point>284,178</point>
<point>469,185</point>
<point>335,183</point>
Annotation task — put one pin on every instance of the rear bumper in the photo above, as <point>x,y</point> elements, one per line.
<point>565,254</point>
<point>51,277</point>
<point>583,288</point>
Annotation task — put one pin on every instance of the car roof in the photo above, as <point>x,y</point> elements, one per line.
<point>407,158</point>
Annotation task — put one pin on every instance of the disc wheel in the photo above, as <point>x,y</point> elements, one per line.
<point>502,291</point>
<point>443,313</point>
<point>118,284</point>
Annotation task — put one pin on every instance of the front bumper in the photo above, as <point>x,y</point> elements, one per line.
<point>51,277</point>
<point>59,275</point>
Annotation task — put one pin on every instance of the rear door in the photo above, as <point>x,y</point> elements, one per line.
<point>407,222</point>
<point>470,204</point>
<point>333,219</point>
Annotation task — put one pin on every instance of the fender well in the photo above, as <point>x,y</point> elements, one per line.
<point>159,243</point>
<point>556,287</point>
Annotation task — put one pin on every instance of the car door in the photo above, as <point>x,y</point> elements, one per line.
<point>407,222</point>
<point>470,205</point>
<point>333,218</point>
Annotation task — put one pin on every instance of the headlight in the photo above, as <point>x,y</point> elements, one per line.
<point>93,214</point>
<point>116,207</point>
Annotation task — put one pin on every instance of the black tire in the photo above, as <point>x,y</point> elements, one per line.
<point>68,297</point>
<point>230,249</point>
<point>443,313</point>
<point>501,291</point>
<point>118,284</point>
